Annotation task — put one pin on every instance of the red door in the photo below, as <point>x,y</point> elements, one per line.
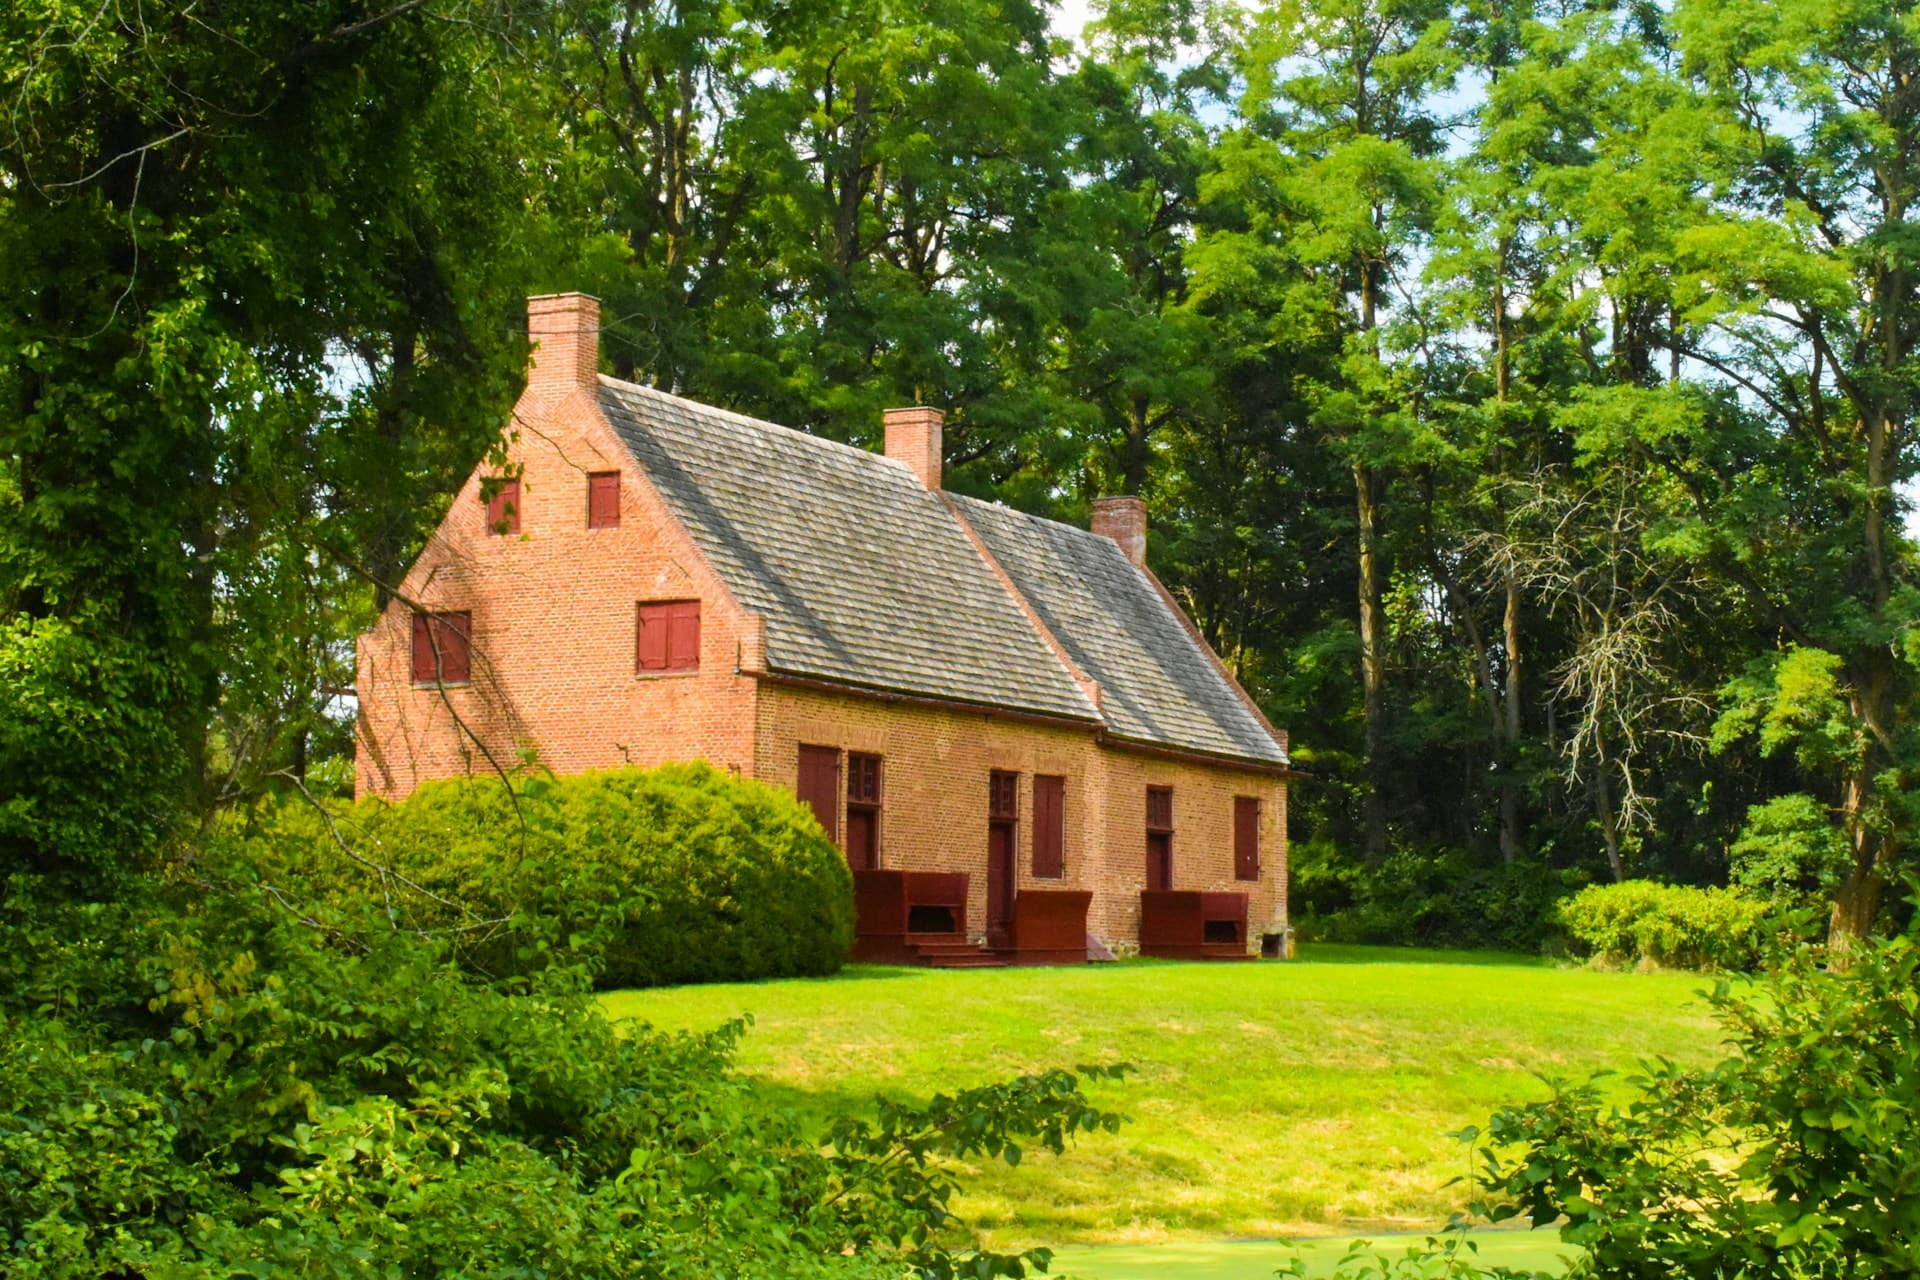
<point>1000,883</point>
<point>863,845</point>
<point>1159,860</point>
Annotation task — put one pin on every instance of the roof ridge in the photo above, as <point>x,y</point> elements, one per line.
<point>746,419</point>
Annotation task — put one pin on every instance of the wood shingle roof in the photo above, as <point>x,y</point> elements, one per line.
<point>866,578</point>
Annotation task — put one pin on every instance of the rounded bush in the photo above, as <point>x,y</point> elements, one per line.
<point>678,874</point>
<point>1675,926</point>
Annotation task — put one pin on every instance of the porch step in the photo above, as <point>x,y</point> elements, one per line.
<point>950,951</point>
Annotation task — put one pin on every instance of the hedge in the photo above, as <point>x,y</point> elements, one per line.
<point>1675,926</point>
<point>648,877</point>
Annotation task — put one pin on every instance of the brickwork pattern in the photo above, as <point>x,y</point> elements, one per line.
<point>934,807</point>
<point>554,613</point>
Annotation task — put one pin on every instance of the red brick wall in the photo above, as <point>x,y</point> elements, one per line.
<point>553,619</point>
<point>934,811</point>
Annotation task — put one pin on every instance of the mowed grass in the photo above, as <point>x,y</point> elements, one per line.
<point>1272,1099</point>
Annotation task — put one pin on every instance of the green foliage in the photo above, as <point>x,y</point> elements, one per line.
<point>678,874</point>
<point>1790,849</point>
<point>1813,1114</point>
<point>1444,898</point>
<point>1675,926</point>
<point>198,1083</point>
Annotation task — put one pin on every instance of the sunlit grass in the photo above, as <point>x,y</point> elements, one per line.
<point>1303,1098</point>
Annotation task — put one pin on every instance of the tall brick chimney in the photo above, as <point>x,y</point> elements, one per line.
<point>913,437</point>
<point>1124,519</point>
<point>565,328</point>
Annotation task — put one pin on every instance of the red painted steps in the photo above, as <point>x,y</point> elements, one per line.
<point>950,951</point>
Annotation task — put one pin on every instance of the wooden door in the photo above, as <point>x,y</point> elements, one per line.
<point>1159,860</point>
<point>819,787</point>
<point>1001,883</point>
<point>863,839</point>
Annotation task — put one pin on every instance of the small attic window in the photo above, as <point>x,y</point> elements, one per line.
<point>503,508</point>
<point>603,500</point>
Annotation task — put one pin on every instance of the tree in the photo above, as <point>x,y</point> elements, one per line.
<point>258,294</point>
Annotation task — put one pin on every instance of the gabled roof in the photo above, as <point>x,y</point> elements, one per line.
<point>862,574</point>
<point>1157,685</point>
<point>867,578</point>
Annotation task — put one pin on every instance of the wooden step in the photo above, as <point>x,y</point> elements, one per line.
<point>978,960</point>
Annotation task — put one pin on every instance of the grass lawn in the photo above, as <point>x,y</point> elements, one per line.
<point>1258,1259</point>
<point>1305,1098</point>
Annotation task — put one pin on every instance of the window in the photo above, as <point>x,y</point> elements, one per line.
<point>503,508</point>
<point>1246,838</point>
<point>1159,838</point>
<point>1049,827</point>
<point>603,500</point>
<point>668,637</point>
<point>1003,796</point>
<point>819,787</point>
<point>863,812</point>
<point>441,649</point>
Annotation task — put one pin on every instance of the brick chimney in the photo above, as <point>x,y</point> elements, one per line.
<point>1124,519</point>
<point>913,437</point>
<point>565,328</point>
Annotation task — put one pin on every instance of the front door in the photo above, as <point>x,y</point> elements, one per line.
<point>1000,883</point>
<point>1159,860</point>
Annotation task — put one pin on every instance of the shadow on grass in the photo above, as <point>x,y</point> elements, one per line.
<point>1355,953</point>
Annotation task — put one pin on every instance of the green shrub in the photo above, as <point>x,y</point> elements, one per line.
<point>219,1079</point>
<point>1790,1159</point>
<point>1676,926</point>
<point>1441,897</point>
<point>670,875</point>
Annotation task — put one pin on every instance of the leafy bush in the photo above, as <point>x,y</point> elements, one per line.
<point>1677,926</point>
<point>1432,897</point>
<point>1815,1111</point>
<point>202,1083</point>
<point>1790,849</point>
<point>677,874</point>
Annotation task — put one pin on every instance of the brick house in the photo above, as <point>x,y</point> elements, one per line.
<point>1007,723</point>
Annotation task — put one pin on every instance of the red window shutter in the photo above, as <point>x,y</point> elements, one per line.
<point>1049,826</point>
<point>441,648</point>
<point>426,666</point>
<point>603,500</point>
<point>1159,808</point>
<point>1003,795</point>
<point>503,511</point>
<point>819,787</point>
<point>683,636</point>
<point>1246,838</point>
<point>456,654</point>
<point>652,628</point>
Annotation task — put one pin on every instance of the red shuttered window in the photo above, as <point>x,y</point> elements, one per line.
<point>442,650</point>
<point>819,787</point>
<point>669,637</point>
<point>1246,838</point>
<point>503,509</point>
<point>603,500</point>
<point>1049,826</point>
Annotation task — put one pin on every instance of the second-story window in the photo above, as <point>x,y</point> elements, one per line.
<point>669,637</point>
<point>442,648</point>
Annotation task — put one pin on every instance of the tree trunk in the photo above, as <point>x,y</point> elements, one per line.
<point>1510,835</point>
<point>1372,674</point>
